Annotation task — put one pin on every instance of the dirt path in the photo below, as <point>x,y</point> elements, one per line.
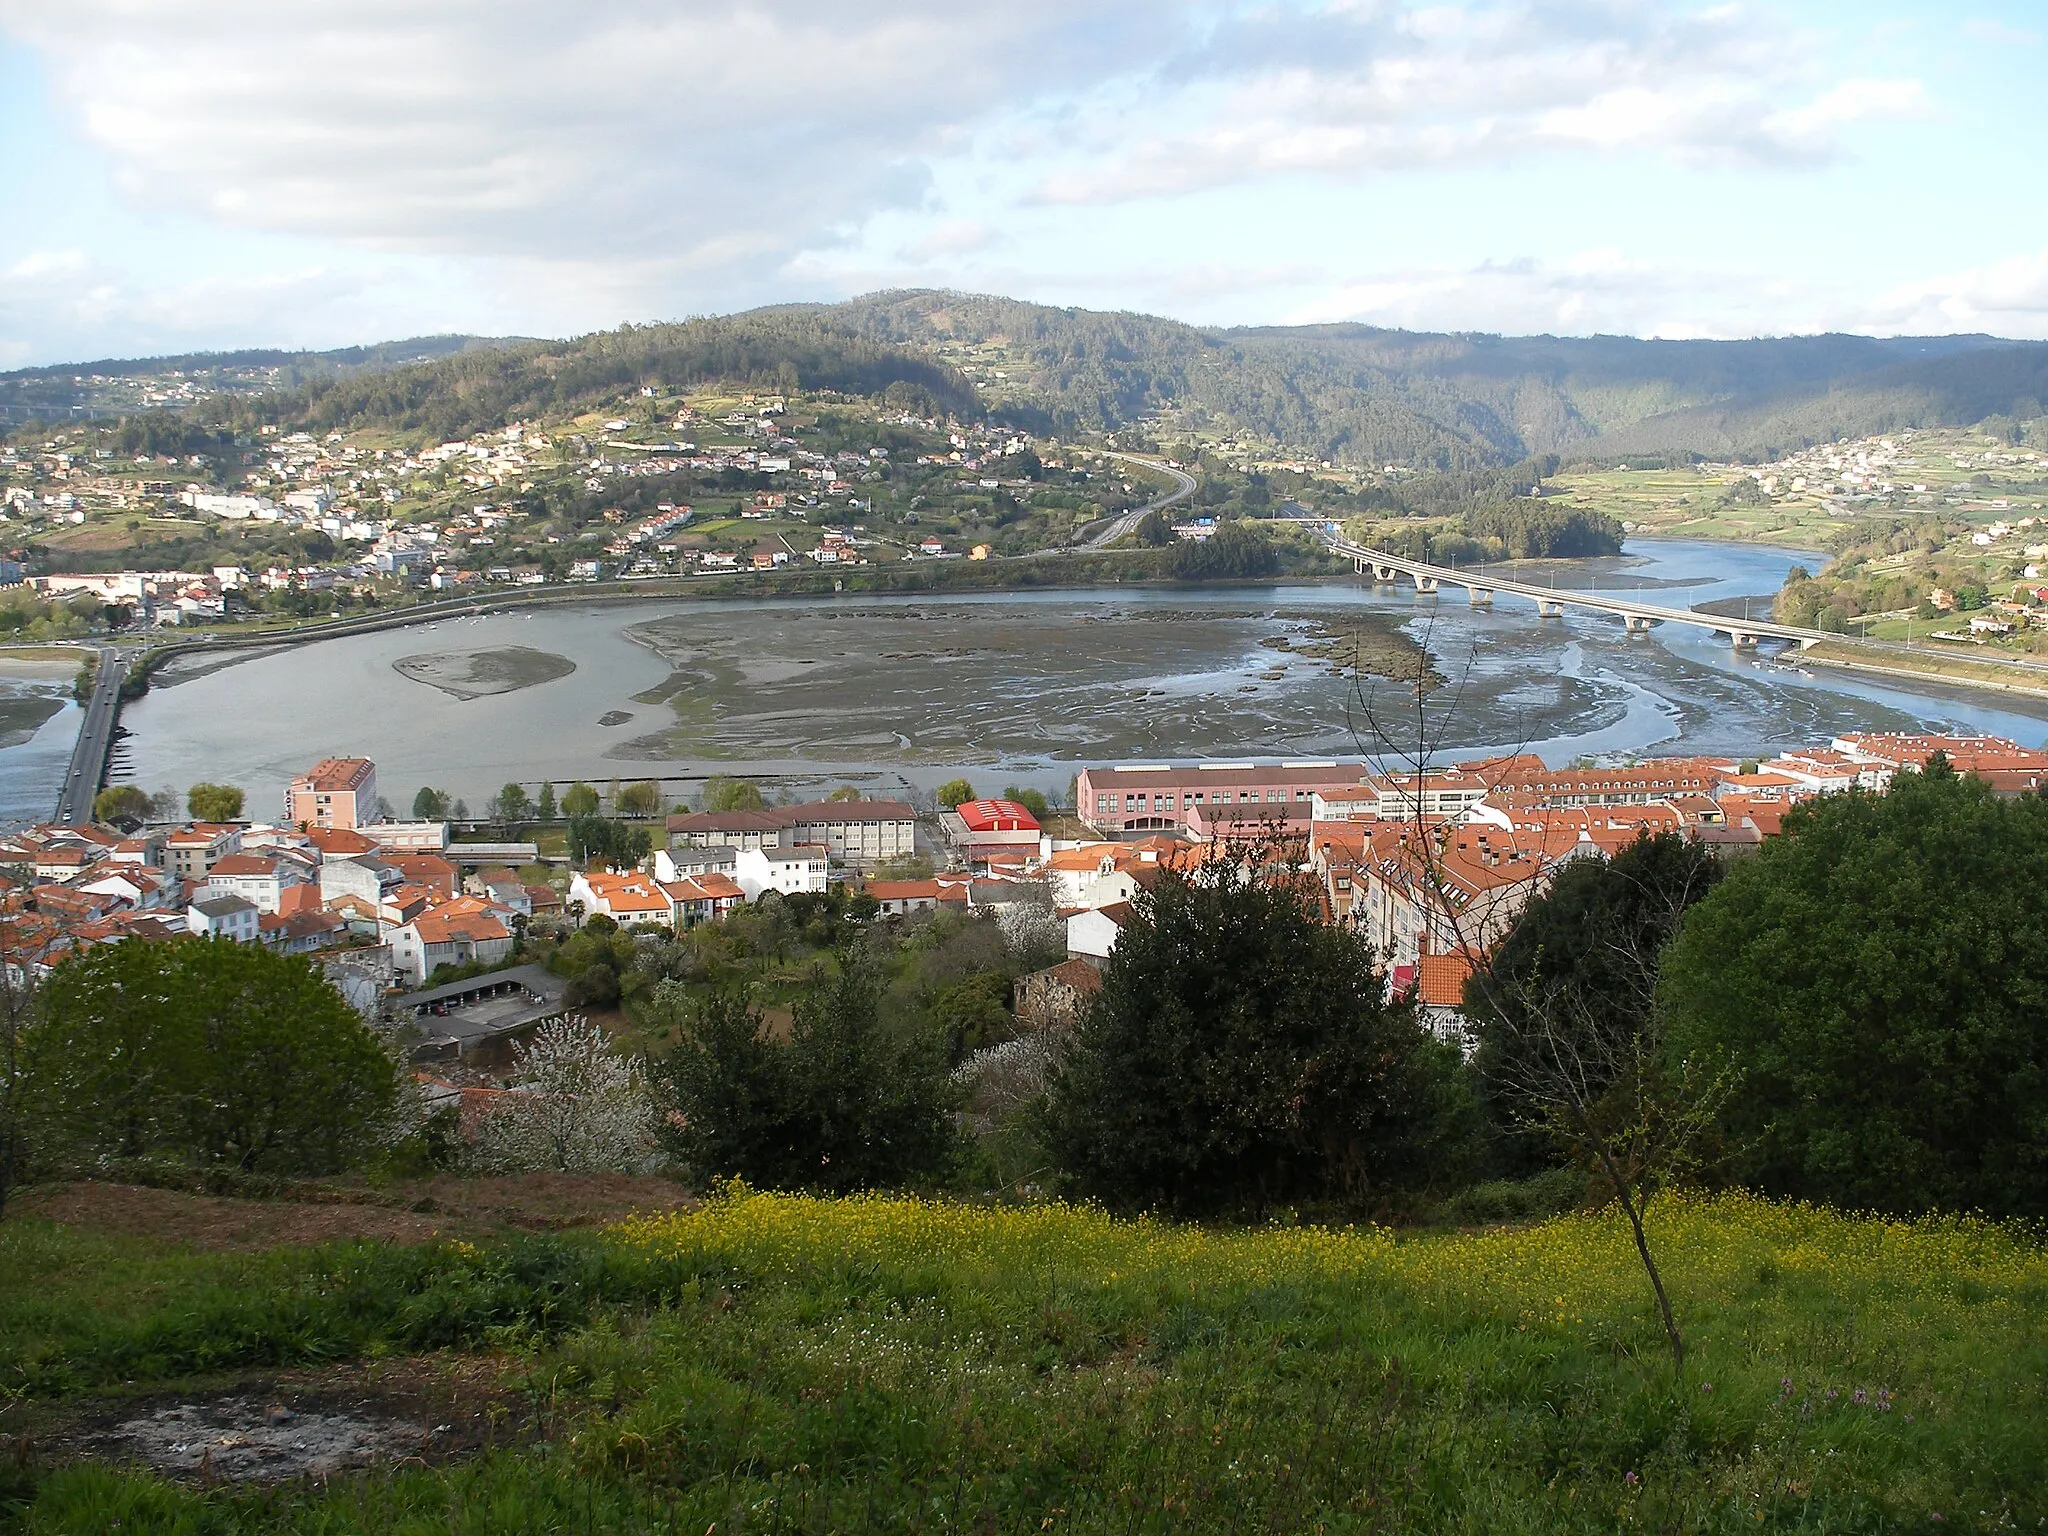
<point>414,1211</point>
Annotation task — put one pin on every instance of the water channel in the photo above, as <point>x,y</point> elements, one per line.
<point>1011,687</point>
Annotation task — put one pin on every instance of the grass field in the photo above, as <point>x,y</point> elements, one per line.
<point>770,1363</point>
<point>1686,504</point>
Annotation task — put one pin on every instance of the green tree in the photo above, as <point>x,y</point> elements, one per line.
<point>845,792</point>
<point>430,804</point>
<point>1234,553</point>
<point>119,801</point>
<point>641,799</point>
<point>545,808</point>
<point>203,1049</point>
<point>598,840</point>
<point>214,802</point>
<point>847,1104</point>
<point>955,793</point>
<point>17,1015</point>
<point>511,806</point>
<point>1153,531</point>
<point>724,793</point>
<point>1031,799</point>
<point>876,1102</point>
<point>579,799</point>
<point>1242,1055</point>
<point>731,1092</point>
<point>1880,972</point>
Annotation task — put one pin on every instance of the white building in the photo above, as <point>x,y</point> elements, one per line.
<point>223,917</point>
<point>792,871</point>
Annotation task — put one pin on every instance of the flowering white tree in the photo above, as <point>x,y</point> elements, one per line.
<point>1032,927</point>
<point>1001,1078</point>
<point>576,1106</point>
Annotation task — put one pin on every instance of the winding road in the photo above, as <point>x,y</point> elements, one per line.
<point>1183,488</point>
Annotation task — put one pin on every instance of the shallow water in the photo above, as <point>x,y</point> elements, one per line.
<point>1021,687</point>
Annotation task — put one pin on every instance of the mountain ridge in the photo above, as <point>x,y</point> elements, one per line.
<point>1346,392</point>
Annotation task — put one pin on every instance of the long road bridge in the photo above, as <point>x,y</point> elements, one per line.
<point>1481,588</point>
<point>88,766</point>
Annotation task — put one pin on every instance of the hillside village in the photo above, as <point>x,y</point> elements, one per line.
<point>700,484</point>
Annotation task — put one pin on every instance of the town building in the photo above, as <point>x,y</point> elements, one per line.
<point>978,828</point>
<point>1199,798</point>
<point>334,792</point>
<point>224,917</point>
<point>857,833</point>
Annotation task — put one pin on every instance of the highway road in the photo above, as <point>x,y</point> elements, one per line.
<point>95,737</point>
<point>1183,488</point>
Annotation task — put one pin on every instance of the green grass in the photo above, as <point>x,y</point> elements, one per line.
<point>1687,504</point>
<point>774,1364</point>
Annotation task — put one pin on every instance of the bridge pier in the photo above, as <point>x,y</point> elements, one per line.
<point>1548,609</point>
<point>1744,641</point>
<point>1479,597</point>
<point>1424,583</point>
<point>1384,573</point>
<point>1637,624</point>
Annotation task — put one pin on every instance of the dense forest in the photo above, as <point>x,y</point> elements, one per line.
<point>1361,395</point>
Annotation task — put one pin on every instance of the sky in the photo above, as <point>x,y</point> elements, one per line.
<point>196,174</point>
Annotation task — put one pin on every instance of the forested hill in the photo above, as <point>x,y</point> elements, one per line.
<point>1352,394</point>
<point>60,389</point>
<point>482,388</point>
<point>1362,394</point>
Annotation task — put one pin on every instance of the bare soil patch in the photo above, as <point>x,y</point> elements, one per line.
<point>413,1211</point>
<point>308,1423</point>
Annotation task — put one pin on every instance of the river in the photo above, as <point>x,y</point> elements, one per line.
<point>1009,687</point>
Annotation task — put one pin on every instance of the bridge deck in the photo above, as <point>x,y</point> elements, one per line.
<point>1596,602</point>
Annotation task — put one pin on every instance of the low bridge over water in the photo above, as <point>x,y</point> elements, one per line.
<point>1480,589</point>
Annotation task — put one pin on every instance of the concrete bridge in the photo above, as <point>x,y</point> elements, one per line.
<point>1640,618</point>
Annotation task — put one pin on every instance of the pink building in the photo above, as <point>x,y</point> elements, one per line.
<point>1203,797</point>
<point>334,792</point>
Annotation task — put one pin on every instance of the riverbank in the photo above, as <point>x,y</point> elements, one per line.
<point>1932,666</point>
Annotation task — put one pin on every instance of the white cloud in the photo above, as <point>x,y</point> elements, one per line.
<point>1360,87</point>
<point>1596,291</point>
<point>2004,298</point>
<point>1603,291</point>
<point>729,133</point>
<point>959,237</point>
<point>1980,30</point>
<point>64,303</point>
